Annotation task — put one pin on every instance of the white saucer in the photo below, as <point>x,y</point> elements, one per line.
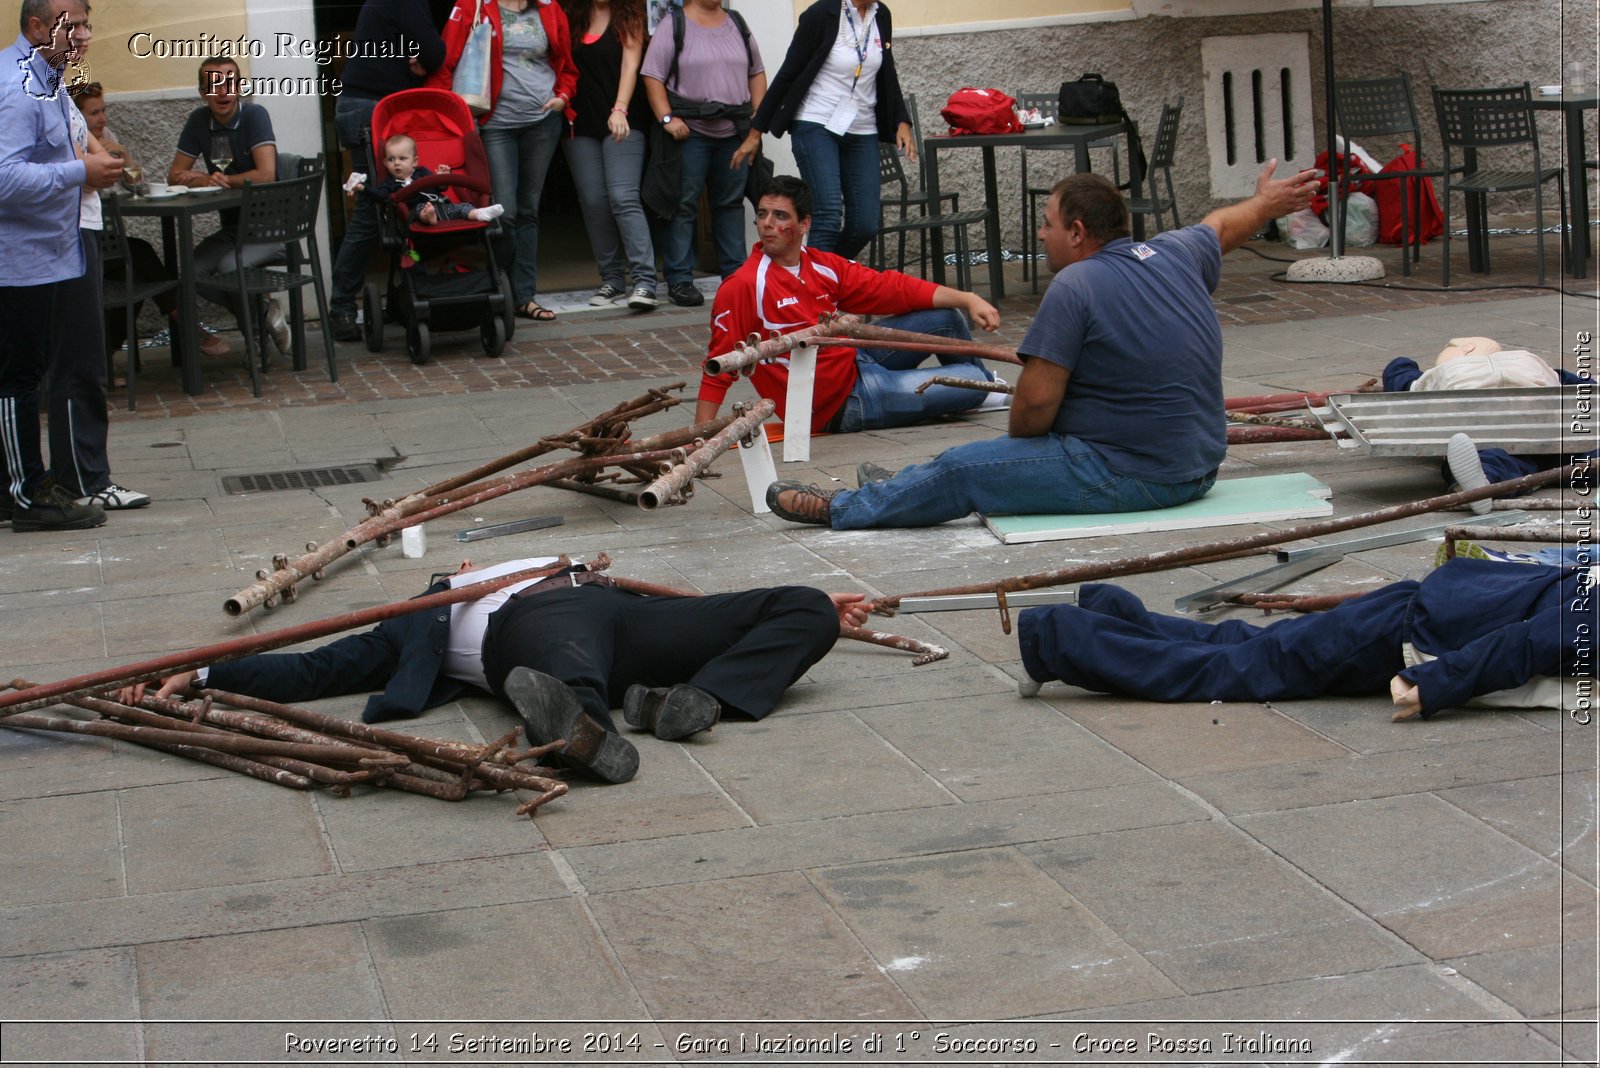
<point>206,189</point>
<point>1550,90</point>
<point>168,195</point>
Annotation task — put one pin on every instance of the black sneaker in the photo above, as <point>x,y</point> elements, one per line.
<point>550,711</point>
<point>871,472</point>
<point>54,509</point>
<point>345,327</point>
<point>800,503</point>
<point>671,713</point>
<point>685,295</point>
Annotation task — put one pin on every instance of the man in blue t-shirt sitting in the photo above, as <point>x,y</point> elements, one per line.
<point>1119,404</point>
<point>228,143</point>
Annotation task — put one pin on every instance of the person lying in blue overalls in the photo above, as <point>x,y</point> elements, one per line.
<point>1473,631</point>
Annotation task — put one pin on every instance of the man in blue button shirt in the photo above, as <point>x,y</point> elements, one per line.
<point>41,178</point>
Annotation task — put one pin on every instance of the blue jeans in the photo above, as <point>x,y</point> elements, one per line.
<point>352,117</point>
<point>607,175</point>
<point>1046,475</point>
<point>842,172</point>
<point>705,166</point>
<point>885,394</point>
<point>519,159</point>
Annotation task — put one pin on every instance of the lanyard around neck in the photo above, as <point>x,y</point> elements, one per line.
<point>858,41</point>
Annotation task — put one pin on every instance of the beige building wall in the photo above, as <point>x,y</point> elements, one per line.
<point>127,36</point>
<point>927,13</point>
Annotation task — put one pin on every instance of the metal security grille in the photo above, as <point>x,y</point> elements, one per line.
<point>304,478</point>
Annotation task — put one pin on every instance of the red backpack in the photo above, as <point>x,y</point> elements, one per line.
<point>1388,194</point>
<point>981,111</point>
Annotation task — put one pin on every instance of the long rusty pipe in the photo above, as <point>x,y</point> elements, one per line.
<point>1172,558</point>
<point>753,350</point>
<point>172,663</point>
<point>654,401</point>
<point>286,577</point>
<point>673,484</point>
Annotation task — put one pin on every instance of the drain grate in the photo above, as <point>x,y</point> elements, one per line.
<point>304,478</point>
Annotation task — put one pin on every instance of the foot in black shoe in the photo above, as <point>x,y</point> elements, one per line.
<point>551,711</point>
<point>54,508</point>
<point>345,327</point>
<point>684,294</point>
<point>871,472</point>
<point>800,503</point>
<point>671,713</point>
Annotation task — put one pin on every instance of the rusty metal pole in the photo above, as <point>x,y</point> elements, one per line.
<point>172,663</point>
<point>966,383</point>
<point>654,401</point>
<point>1266,435</point>
<point>676,482</point>
<point>931,344</point>
<point>887,336</point>
<point>754,349</point>
<point>290,573</point>
<point>1172,558</point>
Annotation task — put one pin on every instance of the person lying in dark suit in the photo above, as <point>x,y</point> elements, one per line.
<point>564,651</point>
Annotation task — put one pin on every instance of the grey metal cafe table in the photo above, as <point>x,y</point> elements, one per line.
<point>177,246</point>
<point>1077,138</point>
<point>1572,106</point>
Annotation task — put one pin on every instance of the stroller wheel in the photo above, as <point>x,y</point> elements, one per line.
<point>508,311</point>
<point>418,343</point>
<point>372,317</point>
<point>493,332</point>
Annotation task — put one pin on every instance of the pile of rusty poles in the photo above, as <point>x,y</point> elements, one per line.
<point>1226,549</point>
<point>283,579</point>
<point>924,652</point>
<point>172,663</point>
<point>302,749</point>
<point>668,465</point>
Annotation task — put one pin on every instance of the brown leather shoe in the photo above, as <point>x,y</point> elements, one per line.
<point>800,503</point>
<point>672,713</point>
<point>550,711</point>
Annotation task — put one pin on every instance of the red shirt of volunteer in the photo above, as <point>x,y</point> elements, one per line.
<point>785,286</point>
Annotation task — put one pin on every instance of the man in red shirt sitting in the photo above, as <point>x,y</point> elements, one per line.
<point>785,286</point>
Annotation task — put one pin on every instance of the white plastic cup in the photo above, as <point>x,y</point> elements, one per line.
<point>157,187</point>
<point>413,543</point>
<point>1578,77</point>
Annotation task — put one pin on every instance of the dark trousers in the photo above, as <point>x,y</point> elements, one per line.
<point>27,327</point>
<point>147,267</point>
<point>744,649</point>
<point>1109,642</point>
<point>76,381</point>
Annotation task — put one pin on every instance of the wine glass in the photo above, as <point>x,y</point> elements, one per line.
<point>221,153</point>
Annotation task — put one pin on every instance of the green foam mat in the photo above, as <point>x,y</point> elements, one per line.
<point>1260,499</point>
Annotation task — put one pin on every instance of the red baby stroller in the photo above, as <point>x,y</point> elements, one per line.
<point>429,287</point>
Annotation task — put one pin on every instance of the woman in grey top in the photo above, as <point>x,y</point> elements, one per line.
<point>532,80</point>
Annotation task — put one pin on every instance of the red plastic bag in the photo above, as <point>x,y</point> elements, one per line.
<point>1319,201</point>
<point>981,111</point>
<point>1388,194</point>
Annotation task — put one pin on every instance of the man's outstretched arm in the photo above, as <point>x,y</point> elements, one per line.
<point>1273,199</point>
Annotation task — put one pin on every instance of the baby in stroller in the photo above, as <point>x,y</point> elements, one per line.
<point>400,160</point>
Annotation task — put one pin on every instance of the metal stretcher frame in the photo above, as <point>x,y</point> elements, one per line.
<point>1545,419</point>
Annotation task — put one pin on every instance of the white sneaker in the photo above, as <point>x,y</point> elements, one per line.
<point>1465,467</point>
<point>994,402</point>
<point>643,298</point>
<point>604,295</point>
<point>116,497</point>
<point>277,326</point>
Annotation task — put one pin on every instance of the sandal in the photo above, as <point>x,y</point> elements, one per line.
<point>535,311</point>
